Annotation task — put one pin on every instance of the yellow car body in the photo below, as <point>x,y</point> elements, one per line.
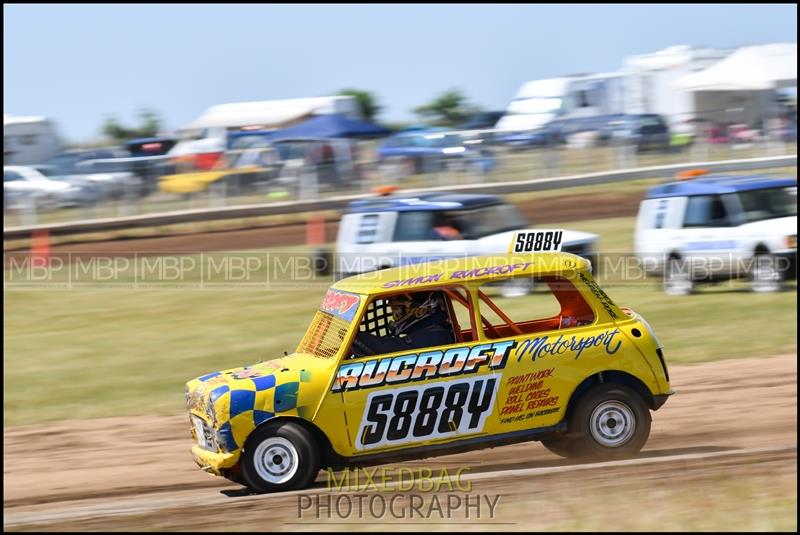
<point>200,181</point>
<point>496,384</point>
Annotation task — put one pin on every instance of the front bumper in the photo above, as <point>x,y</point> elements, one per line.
<point>214,462</point>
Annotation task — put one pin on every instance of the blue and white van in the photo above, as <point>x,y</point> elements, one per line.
<point>716,227</point>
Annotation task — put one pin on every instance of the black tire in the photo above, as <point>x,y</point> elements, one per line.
<point>610,421</point>
<point>299,458</point>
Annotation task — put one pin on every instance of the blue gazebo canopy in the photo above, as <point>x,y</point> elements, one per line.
<point>331,126</point>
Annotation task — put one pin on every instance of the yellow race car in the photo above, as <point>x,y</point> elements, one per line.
<point>420,360</point>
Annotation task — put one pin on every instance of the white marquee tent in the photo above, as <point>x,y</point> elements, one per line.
<point>751,68</point>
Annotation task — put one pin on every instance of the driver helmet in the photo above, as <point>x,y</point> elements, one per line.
<point>410,309</point>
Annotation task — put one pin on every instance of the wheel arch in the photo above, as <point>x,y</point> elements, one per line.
<point>326,451</point>
<point>613,377</point>
<point>760,248</point>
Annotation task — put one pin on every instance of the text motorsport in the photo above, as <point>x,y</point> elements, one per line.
<point>403,493</point>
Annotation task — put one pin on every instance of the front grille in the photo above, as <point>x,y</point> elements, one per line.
<point>203,434</point>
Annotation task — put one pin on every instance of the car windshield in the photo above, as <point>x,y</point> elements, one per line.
<point>324,336</point>
<point>48,171</point>
<point>330,325</point>
<point>768,203</point>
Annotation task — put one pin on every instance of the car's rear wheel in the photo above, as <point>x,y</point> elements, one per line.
<point>279,457</point>
<point>764,274</point>
<point>610,421</point>
<point>677,279</point>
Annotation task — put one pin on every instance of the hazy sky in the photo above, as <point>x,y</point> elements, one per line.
<point>78,63</point>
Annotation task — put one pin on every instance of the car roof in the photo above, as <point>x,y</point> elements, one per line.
<point>456,270</point>
<point>718,184</point>
<point>422,202</point>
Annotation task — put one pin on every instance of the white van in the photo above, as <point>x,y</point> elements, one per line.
<point>29,140</point>
<point>539,102</point>
<point>719,227</point>
<point>391,231</point>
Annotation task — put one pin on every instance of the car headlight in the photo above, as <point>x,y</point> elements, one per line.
<point>791,241</point>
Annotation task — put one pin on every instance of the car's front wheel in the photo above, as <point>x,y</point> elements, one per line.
<point>278,457</point>
<point>610,421</point>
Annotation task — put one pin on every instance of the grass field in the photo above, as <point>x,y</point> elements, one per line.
<point>111,350</point>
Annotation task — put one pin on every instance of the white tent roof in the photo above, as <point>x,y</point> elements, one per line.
<point>750,68</point>
<point>269,114</point>
<point>16,119</point>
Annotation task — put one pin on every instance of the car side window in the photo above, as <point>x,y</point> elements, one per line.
<point>414,226</point>
<point>705,211</point>
<point>11,176</point>
<point>661,213</point>
<point>555,303</point>
<point>408,321</point>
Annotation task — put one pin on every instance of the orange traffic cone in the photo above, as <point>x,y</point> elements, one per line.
<point>40,248</point>
<point>315,229</point>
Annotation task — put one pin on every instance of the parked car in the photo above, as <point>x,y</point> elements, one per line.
<point>149,160</point>
<point>26,185</point>
<point>253,159</point>
<point>528,139</point>
<point>108,169</point>
<point>432,151</point>
<point>645,131</point>
<point>719,227</point>
<point>391,231</point>
<point>418,361</point>
<point>482,120</point>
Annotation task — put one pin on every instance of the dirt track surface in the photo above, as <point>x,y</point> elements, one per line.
<point>566,208</point>
<point>732,418</point>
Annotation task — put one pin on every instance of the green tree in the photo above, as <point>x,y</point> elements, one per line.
<point>149,125</point>
<point>367,100</point>
<point>448,109</point>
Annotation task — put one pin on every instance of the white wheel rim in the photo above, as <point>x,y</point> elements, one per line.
<point>765,277</point>
<point>275,460</point>
<point>612,424</point>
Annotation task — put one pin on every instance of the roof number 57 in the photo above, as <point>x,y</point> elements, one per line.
<point>538,241</point>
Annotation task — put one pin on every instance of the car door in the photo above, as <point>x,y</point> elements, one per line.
<point>416,397</point>
<point>560,338</point>
<point>708,235</point>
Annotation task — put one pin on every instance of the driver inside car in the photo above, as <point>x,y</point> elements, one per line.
<point>419,320</point>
